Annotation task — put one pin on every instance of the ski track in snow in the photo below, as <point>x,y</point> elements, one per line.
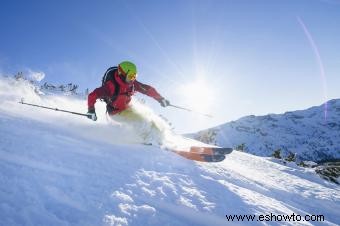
<point>58,169</point>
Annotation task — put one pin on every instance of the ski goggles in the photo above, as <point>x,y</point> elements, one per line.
<point>131,77</point>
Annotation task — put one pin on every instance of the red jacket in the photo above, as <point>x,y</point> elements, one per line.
<point>126,90</point>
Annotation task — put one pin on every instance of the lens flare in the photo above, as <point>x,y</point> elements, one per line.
<point>319,60</point>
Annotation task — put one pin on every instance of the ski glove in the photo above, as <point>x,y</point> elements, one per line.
<point>91,114</point>
<point>164,102</point>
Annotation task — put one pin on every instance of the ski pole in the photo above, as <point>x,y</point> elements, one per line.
<point>55,109</point>
<point>187,109</point>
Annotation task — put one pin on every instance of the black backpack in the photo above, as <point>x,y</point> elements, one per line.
<point>109,76</point>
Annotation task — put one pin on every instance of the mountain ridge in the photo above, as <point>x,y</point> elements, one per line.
<point>312,134</point>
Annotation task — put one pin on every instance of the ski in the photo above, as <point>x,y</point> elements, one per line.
<point>200,157</point>
<point>211,150</point>
<point>201,154</point>
<point>204,154</point>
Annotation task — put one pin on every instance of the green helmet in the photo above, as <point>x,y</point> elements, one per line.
<point>128,70</point>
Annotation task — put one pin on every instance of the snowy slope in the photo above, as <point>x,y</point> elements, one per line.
<point>59,169</point>
<point>314,133</point>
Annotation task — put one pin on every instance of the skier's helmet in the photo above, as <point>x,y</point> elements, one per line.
<point>128,70</point>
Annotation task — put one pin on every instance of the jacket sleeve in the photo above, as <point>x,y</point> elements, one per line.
<point>105,91</point>
<point>147,90</point>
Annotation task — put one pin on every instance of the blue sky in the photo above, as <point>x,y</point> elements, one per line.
<point>227,58</point>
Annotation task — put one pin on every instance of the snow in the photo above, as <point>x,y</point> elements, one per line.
<point>61,169</point>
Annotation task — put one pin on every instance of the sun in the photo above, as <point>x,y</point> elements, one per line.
<point>197,94</point>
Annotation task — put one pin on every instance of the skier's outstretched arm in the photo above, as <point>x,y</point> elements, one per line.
<point>105,91</point>
<point>151,92</point>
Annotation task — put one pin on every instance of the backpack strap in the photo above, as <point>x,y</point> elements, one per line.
<point>109,76</point>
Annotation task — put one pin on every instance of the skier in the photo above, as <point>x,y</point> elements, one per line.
<point>118,86</point>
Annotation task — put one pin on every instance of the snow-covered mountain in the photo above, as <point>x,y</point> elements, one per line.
<point>313,134</point>
<point>61,169</point>
<point>35,78</point>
